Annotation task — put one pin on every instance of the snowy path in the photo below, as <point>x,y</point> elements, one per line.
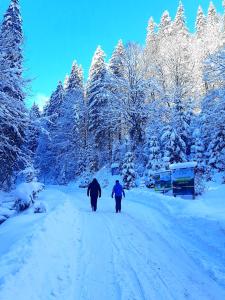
<point>72,253</point>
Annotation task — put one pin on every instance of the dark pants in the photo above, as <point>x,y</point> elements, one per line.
<point>118,203</point>
<point>94,203</point>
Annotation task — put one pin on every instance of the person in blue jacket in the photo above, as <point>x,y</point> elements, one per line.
<point>118,192</point>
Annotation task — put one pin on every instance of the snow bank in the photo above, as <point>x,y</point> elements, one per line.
<point>6,206</point>
<point>19,199</point>
<point>26,193</point>
<point>39,208</point>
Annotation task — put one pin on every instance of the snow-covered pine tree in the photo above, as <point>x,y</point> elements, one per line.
<point>51,110</point>
<point>200,24</point>
<point>128,172</point>
<point>174,148</point>
<point>116,61</point>
<point>154,161</point>
<point>179,24</point>
<point>45,157</point>
<point>213,110</point>
<point>198,155</point>
<point>198,150</point>
<point>13,120</point>
<point>199,51</point>
<point>151,38</point>
<point>151,48</point>
<point>65,83</point>
<point>212,17</point>
<point>97,92</point>
<point>213,36</point>
<point>165,25</point>
<point>179,122</point>
<point>66,135</point>
<point>216,148</point>
<point>33,130</point>
<point>116,73</point>
<point>35,111</point>
<point>134,89</point>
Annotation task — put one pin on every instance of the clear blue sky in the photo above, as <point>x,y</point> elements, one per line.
<point>59,31</point>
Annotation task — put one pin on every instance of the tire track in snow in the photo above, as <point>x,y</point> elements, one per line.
<point>134,264</point>
<point>194,274</point>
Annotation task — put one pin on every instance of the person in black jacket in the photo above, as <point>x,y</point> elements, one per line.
<point>94,191</point>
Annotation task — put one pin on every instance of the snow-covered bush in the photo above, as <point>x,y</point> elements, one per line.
<point>39,208</point>
<point>199,183</point>
<point>26,193</point>
<point>85,180</point>
<point>128,171</point>
<point>29,174</point>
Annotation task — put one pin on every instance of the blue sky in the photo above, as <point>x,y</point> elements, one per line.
<point>59,31</point>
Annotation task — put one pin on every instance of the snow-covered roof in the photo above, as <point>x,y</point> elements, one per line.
<point>161,171</point>
<point>115,165</point>
<point>191,164</point>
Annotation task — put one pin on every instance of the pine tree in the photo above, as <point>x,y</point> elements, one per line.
<point>213,111</point>
<point>66,134</point>
<point>97,96</point>
<point>45,156</point>
<point>165,25</point>
<point>134,89</point>
<point>116,61</point>
<point>33,130</point>
<point>213,37</point>
<point>75,78</point>
<point>151,47</point>
<point>52,108</point>
<point>65,83</point>
<point>116,72</point>
<point>216,149</point>
<point>174,148</point>
<point>128,172</point>
<point>179,24</point>
<point>13,119</point>
<point>151,35</point>
<point>212,17</point>
<point>198,150</point>
<point>179,122</point>
<point>35,111</point>
<point>154,161</point>
<point>200,24</point>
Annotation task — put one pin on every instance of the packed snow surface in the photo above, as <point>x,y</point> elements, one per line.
<point>157,248</point>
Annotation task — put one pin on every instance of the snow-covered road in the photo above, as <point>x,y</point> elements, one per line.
<point>72,253</point>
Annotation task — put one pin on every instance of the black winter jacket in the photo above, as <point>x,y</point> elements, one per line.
<point>94,189</point>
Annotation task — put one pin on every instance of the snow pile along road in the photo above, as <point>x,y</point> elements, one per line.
<point>150,251</point>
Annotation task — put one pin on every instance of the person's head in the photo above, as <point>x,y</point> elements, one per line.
<point>117,182</point>
<point>95,180</point>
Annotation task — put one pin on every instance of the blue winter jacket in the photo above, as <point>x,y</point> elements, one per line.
<point>118,190</point>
